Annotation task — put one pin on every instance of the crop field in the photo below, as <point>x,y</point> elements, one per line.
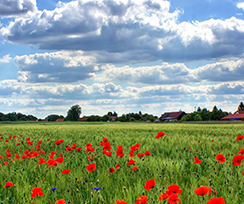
<point>93,163</point>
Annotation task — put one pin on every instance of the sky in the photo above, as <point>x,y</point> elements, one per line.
<point>152,56</point>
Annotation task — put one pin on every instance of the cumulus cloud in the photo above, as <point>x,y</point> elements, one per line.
<point>9,8</point>
<point>160,74</point>
<point>10,88</point>
<point>63,66</point>
<point>5,59</point>
<point>240,5</point>
<point>128,31</point>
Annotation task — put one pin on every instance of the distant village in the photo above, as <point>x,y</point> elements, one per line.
<point>75,111</point>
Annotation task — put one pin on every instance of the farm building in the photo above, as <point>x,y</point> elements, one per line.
<point>83,118</point>
<point>171,116</point>
<point>238,115</point>
<point>60,120</point>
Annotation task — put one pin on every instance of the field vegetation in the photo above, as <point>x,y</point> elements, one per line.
<point>171,161</point>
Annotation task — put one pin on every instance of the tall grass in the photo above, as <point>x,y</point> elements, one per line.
<point>171,162</point>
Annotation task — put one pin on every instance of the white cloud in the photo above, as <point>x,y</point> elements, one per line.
<point>240,5</point>
<point>63,66</point>
<point>5,59</point>
<point>128,31</point>
<point>9,8</point>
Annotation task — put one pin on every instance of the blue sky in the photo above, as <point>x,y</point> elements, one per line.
<point>126,56</point>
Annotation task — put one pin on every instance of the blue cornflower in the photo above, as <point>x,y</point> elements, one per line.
<point>53,189</point>
<point>98,189</point>
<point>69,201</point>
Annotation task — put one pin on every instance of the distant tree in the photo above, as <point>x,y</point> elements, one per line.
<point>197,117</point>
<point>140,113</point>
<point>110,113</point>
<point>115,114</point>
<point>132,119</point>
<point>73,113</point>
<point>105,118</point>
<point>214,108</point>
<point>241,107</point>
<point>53,117</point>
<point>199,109</point>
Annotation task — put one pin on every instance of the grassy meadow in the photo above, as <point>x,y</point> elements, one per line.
<point>171,162</point>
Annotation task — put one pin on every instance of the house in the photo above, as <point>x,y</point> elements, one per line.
<point>171,116</point>
<point>60,120</point>
<point>112,118</point>
<point>83,119</point>
<point>238,115</point>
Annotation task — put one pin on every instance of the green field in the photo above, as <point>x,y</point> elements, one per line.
<point>171,162</point>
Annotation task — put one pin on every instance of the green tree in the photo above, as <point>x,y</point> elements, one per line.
<point>241,107</point>
<point>53,117</point>
<point>73,113</point>
<point>197,117</point>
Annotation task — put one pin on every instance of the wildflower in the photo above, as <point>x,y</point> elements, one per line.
<point>173,198</point>
<point>134,168</point>
<point>147,153</point>
<point>121,202</point>
<point>197,161</point>
<point>202,190</point>
<point>117,166</point>
<point>61,201</point>
<point>174,189</point>
<point>53,189</point>
<point>130,162</point>
<point>163,196</point>
<point>216,201</point>
<point>97,189</point>
<point>150,184</point>
<point>221,158</point>
<point>160,134</point>
<point>8,184</point>
<point>91,167</point>
<point>237,160</point>
<point>66,171</point>
<point>36,191</point>
<point>111,170</point>
<point>141,200</point>
<point>140,155</point>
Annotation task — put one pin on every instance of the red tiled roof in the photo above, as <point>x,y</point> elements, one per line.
<point>60,120</point>
<point>83,118</point>
<point>233,116</point>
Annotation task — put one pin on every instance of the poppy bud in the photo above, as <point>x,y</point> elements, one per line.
<point>97,180</point>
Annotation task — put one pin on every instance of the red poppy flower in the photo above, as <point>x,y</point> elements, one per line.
<point>61,201</point>
<point>173,198</point>
<point>150,184</point>
<point>190,148</point>
<point>30,143</point>
<point>17,156</point>
<point>141,200</point>
<point>160,134</point>
<point>121,202</point>
<point>58,142</point>
<point>241,151</point>
<point>59,160</point>
<point>78,149</point>
<point>119,151</point>
<point>48,139</point>
<point>28,139</point>
<point>111,170</point>
<point>237,160</point>
<point>174,189</point>
<point>135,147</point>
<point>140,155</point>
<point>197,161</point>
<point>130,162</point>
<point>163,196</point>
<point>147,153</point>
<point>66,171</point>
<point>134,168</point>
<point>216,201</point>
<point>8,184</point>
<point>42,161</point>
<point>202,190</point>
<point>14,136</point>
<point>51,162</point>
<point>18,144</point>
<point>107,153</point>
<point>8,155</point>
<point>131,154</point>
<point>221,158</point>
<point>117,166</point>
<point>73,146</point>
<point>91,167</point>
<point>107,146</point>
<point>6,140</point>
<point>240,137</point>
<point>36,191</point>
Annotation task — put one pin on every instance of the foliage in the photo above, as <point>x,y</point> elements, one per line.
<point>74,113</point>
<point>94,118</point>
<point>53,117</point>
<point>241,107</point>
<point>16,117</point>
